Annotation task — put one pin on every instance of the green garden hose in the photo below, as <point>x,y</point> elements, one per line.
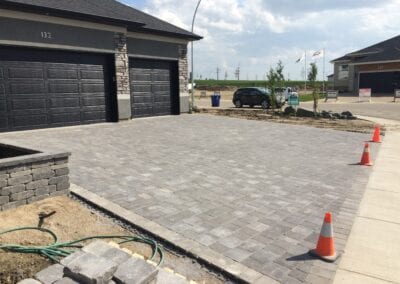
<point>58,250</point>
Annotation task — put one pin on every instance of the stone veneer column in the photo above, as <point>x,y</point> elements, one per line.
<point>122,77</point>
<point>183,78</point>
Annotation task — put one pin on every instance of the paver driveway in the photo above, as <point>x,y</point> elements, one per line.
<point>253,191</point>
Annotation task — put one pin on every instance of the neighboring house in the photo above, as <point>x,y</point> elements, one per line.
<point>87,61</point>
<point>376,67</point>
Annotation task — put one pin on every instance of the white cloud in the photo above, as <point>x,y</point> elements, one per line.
<point>258,33</point>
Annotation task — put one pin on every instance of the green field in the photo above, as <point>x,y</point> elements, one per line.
<point>200,84</point>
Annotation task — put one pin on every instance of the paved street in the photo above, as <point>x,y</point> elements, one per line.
<point>252,191</point>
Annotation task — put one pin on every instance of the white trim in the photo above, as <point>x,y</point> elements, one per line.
<point>153,57</point>
<point>380,71</point>
<point>57,20</point>
<point>375,62</point>
<point>156,38</point>
<point>54,46</point>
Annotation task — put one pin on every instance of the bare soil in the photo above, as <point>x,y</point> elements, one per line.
<point>73,221</point>
<point>356,125</point>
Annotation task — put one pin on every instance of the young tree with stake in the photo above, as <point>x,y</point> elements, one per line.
<point>312,78</point>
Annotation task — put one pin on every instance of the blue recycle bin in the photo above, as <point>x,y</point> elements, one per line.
<point>215,100</point>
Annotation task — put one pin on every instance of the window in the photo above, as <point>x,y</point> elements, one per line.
<point>343,72</point>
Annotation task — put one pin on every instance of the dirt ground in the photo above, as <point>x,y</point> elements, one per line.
<point>72,221</point>
<point>357,125</point>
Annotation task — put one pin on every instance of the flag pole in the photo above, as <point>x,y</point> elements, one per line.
<point>323,73</point>
<point>305,70</point>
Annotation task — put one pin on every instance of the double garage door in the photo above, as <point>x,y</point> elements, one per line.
<point>380,82</point>
<point>154,87</point>
<point>50,88</point>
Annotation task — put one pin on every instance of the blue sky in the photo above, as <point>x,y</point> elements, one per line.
<point>255,34</point>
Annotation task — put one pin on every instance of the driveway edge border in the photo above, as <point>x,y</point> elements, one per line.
<point>198,251</point>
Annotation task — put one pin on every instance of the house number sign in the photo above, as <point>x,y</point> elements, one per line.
<point>46,35</point>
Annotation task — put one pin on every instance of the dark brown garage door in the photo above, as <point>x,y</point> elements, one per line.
<point>41,89</point>
<point>380,82</point>
<point>154,87</point>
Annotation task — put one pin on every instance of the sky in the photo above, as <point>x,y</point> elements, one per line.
<point>256,34</point>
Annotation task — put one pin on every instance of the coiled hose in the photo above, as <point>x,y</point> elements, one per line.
<point>58,250</point>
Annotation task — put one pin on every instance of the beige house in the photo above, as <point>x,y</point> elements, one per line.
<point>376,67</point>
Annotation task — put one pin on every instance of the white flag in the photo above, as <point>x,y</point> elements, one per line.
<point>301,58</point>
<point>318,54</point>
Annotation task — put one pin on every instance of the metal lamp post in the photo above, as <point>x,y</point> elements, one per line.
<point>192,77</point>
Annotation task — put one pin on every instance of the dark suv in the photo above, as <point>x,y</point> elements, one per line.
<point>256,97</point>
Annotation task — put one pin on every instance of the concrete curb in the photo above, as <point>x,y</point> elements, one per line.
<point>226,265</point>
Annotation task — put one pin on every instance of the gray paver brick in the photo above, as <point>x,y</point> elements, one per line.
<point>88,268</point>
<point>103,249</point>
<point>50,274</point>
<point>164,277</point>
<point>135,271</point>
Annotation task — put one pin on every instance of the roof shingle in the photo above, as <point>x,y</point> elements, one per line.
<point>387,50</point>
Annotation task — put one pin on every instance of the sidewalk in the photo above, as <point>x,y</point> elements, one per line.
<point>372,253</point>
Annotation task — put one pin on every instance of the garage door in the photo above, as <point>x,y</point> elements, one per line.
<point>154,88</point>
<point>380,82</point>
<point>50,88</point>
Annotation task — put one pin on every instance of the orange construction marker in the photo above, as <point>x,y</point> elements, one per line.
<point>325,249</point>
<point>376,138</point>
<point>366,158</point>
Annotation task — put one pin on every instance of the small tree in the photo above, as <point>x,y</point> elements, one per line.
<point>312,78</point>
<point>272,79</point>
<point>279,73</point>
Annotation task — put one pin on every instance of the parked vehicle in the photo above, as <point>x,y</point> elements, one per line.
<point>256,97</point>
<point>286,92</point>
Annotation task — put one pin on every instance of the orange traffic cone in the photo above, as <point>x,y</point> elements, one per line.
<point>365,158</point>
<point>376,138</point>
<point>325,247</point>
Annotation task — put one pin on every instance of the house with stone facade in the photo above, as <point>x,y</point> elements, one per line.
<point>376,67</point>
<point>87,61</point>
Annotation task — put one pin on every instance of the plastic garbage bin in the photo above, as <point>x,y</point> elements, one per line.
<point>215,100</point>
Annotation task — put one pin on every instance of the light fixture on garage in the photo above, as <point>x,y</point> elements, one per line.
<point>192,69</point>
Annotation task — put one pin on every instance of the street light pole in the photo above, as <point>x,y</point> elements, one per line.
<point>192,77</point>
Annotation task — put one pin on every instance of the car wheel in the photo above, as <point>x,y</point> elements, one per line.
<point>251,106</point>
<point>238,103</point>
<point>265,104</point>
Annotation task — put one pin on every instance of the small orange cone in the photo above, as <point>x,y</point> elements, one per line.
<point>365,158</point>
<point>326,247</point>
<point>376,138</point>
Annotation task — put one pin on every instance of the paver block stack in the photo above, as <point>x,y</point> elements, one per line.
<point>100,263</point>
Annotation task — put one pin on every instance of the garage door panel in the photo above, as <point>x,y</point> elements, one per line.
<point>3,123</point>
<point>27,104</point>
<point>93,116</point>
<point>63,118</point>
<point>27,88</point>
<point>92,74</point>
<point>141,88</point>
<point>92,88</point>
<point>25,73</point>
<point>143,99</point>
<point>63,88</point>
<point>64,102</point>
<point>2,91</point>
<point>3,107</point>
<point>29,121</point>
<point>63,74</point>
<point>91,101</point>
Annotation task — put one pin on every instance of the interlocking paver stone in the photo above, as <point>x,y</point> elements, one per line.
<point>214,179</point>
